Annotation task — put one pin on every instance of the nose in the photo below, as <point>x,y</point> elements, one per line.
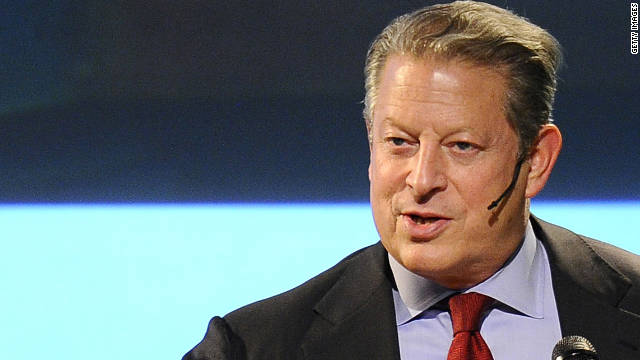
<point>427,173</point>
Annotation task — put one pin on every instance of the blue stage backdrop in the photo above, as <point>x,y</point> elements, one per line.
<point>141,281</point>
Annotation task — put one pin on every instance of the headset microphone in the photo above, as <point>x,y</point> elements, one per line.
<point>516,173</point>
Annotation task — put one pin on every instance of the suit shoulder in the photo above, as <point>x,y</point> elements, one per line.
<point>587,258</point>
<point>288,314</point>
<point>625,262</point>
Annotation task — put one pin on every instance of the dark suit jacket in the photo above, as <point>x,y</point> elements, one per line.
<point>347,312</point>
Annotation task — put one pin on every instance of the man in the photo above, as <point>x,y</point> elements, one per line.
<point>458,111</point>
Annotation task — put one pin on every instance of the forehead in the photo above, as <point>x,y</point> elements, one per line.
<point>430,82</point>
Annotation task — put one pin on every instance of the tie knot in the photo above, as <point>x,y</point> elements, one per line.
<point>466,311</point>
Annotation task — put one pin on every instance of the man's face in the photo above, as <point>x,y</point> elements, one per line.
<point>442,150</point>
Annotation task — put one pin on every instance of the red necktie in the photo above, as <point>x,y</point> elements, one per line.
<point>466,311</point>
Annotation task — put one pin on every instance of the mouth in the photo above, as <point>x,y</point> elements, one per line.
<point>420,220</point>
<point>423,226</point>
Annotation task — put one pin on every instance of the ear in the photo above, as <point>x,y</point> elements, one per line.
<point>367,123</point>
<point>370,170</point>
<point>542,158</point>
<point>369,141</point>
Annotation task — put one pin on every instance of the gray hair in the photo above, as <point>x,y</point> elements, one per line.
<point>526,56</point>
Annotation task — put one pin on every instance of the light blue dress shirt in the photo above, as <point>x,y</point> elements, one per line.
<point>524,324</point>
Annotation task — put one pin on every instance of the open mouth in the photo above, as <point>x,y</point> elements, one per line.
<point>424,220</point>
<point>424,226</point>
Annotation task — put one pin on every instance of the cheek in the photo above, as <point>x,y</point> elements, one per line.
<point>380,192</point>
<point>385,184</point>
<point>386,181</point>
<point>479,186</point>
<point>475,196</point>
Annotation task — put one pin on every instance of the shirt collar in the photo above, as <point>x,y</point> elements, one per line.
<point>519,284</point>
<point>416,292</point>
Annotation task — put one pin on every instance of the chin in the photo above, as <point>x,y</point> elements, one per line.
<point>428,263</point>
<point>423,260</point>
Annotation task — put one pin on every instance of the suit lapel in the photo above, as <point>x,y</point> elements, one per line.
<point>356,318</point>
<point>587,291</point>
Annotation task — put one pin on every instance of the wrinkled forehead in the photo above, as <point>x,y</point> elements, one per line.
<point>435,80</point>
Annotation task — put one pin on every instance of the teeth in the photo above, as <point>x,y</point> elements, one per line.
<point>420,220</point>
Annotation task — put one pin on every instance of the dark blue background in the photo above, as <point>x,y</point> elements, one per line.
<point>197,101</point>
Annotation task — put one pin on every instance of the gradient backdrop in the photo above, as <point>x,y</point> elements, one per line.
<point>163,162</point>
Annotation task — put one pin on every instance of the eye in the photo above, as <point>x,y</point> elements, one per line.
<point>397,141</point>
<point>463,146</point>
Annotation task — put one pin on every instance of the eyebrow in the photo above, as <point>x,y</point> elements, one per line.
<point>388,120</point>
